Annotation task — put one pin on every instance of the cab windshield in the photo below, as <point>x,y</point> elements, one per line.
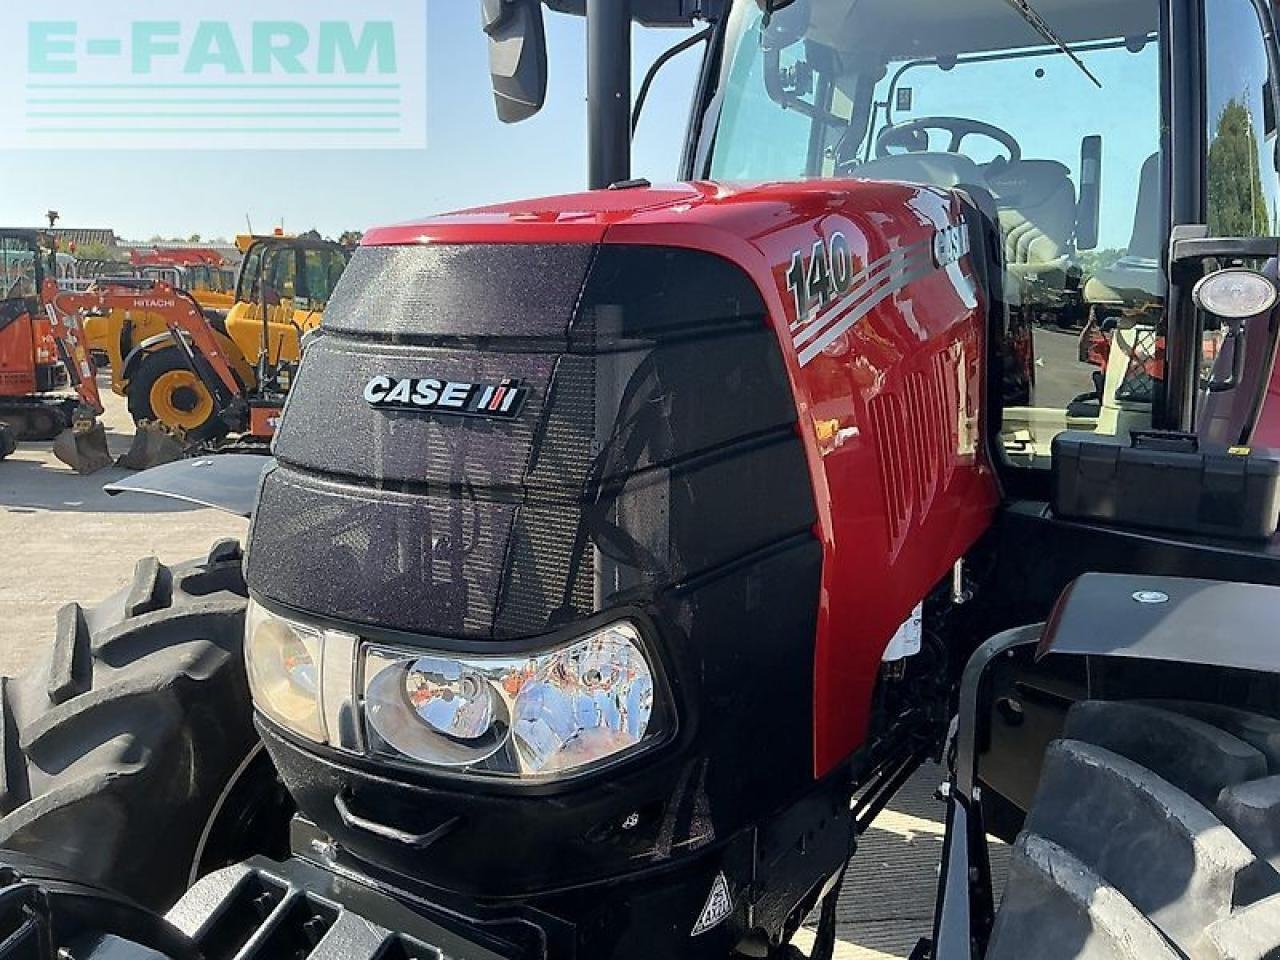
<point>970,94</point>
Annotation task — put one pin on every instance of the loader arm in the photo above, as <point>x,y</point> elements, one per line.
<point>182,316</point>
<point>69,333</point>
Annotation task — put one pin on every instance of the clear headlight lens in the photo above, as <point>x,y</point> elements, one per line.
<point>544,715</point>
<point>283,660</point>
<point>435,711</point>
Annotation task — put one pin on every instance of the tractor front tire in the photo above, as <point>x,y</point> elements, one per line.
<point>1155,833</point>
<point>119,751</point>
<point>165,389</point>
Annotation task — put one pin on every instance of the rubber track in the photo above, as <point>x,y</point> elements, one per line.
<point>130,729</point>
<point>1153,819</point>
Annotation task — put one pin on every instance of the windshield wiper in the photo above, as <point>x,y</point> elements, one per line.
<point>1032,16</point>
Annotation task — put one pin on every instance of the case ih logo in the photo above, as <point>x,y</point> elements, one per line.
<point>495,401</point>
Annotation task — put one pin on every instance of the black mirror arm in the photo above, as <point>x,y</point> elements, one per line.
<point>658,64</point>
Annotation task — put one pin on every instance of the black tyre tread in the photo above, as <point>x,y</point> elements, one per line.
<point>1196,757</point>
<point>1144,796</point>
<point>1260,732</point>
<point>69,666</point>
<point>128,733</point>
<point>148,591</point>
<point>1055,889</point>
<point>1249,934</point>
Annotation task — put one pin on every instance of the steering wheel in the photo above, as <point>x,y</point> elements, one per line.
<point>910,135</point>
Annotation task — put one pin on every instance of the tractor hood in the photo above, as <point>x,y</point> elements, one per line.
<point>513,422</point>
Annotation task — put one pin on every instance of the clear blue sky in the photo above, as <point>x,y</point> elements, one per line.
<point>471,158</point>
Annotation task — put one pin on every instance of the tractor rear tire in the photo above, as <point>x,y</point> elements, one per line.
<point>119,751</point>
<point>164,389</point>
<point>1155,833</point>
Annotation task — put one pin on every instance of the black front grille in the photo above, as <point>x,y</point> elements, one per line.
<point>657,442</point>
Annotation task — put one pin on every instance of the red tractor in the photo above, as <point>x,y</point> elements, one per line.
<point>670,529</point>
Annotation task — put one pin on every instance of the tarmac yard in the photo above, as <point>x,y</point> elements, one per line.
<point>65,540</point>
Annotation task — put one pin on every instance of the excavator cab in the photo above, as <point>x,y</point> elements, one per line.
<point>29,362</point>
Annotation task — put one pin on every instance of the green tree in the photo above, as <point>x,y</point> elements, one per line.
<point>351,238</point>
<point>1091,261</point>
<point>99,251</point>
<point>1237,204</point>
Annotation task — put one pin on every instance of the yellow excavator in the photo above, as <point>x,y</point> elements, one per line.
<point>280,293</point>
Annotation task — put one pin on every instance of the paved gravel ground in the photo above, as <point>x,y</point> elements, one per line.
<point>63,539</point>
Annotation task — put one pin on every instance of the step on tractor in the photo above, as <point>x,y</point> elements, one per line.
<point>671,529</point>
<point>48,383</point>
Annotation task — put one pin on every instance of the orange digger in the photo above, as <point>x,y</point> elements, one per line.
<point>43,356</point>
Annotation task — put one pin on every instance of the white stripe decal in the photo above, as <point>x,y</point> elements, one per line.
<point>855,288</point>
<point>872,275</point>
<point>897,282</point>
<point>870,291</point>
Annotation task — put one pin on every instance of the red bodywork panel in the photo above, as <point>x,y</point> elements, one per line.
<point>182,257</point>
<point>27,344</point>
<point>1267,433</point>
<point>886,372</point>
<point>17,353</point>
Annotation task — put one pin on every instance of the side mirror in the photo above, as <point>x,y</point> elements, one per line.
<point>517,57</point>
<point>1088,210</point>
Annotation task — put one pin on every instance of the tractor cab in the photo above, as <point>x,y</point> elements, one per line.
<point>1062,123</point>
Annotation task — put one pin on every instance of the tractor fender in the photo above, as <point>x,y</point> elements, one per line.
<point>1100,617</point>
<point>1202,622</point>
<point>228,482</point>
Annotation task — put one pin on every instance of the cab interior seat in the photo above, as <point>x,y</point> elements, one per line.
<point>1036,200</point>
<point>1035,203</point>
<point>1134,280</point>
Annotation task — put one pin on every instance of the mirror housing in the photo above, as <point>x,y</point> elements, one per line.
<point>1088,209</point>
<point>517,57</point>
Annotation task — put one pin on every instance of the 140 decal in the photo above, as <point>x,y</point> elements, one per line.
<point>827,273</point>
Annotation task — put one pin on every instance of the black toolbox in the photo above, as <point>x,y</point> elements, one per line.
<point>1167,481</point>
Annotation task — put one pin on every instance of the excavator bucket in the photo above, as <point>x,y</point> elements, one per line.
<point>84,447</point>
<point>154,444</point>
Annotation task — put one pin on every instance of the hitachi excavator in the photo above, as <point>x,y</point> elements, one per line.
<point>202,377</point>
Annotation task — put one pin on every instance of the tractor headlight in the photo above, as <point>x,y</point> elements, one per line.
<point>1235,294</point>
<point>539,716</point>
<point>302,677</point>
<point>283,660</point>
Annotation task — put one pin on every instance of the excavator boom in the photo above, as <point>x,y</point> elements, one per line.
<point>84,448</point>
